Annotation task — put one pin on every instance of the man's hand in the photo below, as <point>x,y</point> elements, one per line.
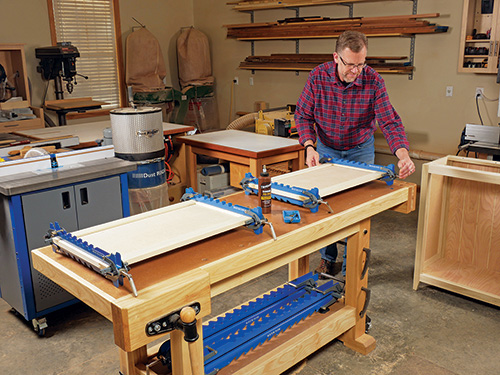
<point>312,156</point>
<point>405,165</point>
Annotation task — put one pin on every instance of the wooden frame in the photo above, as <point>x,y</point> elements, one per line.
<point>198,272</point>
<point>458,238</point>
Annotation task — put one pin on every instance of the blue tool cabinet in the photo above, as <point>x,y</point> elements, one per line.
<point>25,219</point>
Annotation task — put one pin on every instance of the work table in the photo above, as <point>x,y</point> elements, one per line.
<point>198,272</point>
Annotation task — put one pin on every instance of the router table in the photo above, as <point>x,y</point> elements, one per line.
<point>205,269</point>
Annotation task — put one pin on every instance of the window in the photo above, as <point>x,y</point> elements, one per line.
<point>92,26</point>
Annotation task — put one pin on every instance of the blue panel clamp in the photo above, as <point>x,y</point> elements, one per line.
<point>108,265</point>
<point>307,198</point>
<point>228,337</point>
<point>389,170</point>
<point>256,221</point>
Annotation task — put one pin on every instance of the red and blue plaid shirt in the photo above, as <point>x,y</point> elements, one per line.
<point>346,116</point>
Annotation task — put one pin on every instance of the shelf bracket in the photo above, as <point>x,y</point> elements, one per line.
<point>351,8</point>
<point>412,56</point>
<point>412,42</point>
<point>297,41</point>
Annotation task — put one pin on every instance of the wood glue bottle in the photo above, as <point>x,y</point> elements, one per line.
<point>265,191</point>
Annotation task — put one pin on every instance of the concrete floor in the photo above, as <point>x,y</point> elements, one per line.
<point>429,331</point>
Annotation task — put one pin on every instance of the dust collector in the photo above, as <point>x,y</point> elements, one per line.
<point>138,136</point>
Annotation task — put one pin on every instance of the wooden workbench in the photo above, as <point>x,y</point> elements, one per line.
<point>245,152</point>
<point>198,272</point>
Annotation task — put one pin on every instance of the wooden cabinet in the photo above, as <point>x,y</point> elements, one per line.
<point>480,37</point>
<point>458,237</point>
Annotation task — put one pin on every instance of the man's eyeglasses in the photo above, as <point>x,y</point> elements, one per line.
<point>352,66</point>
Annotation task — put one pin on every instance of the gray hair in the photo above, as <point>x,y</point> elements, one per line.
<point>354,40</point>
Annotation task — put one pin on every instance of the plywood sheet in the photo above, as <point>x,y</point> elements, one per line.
<point>328,178</point>
<point>156,232</point>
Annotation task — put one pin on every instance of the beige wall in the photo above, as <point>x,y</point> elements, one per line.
<point>433,121</point>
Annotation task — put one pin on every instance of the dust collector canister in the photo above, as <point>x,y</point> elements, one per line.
<point>137,133</point>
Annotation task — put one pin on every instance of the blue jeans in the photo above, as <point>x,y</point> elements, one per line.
<point>364,153</point>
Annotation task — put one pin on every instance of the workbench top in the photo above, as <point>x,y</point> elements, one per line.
<point>31,181</point>
<point>226,255</point>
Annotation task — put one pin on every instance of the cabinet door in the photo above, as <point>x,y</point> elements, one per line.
<point>98,202</point>
<point>39,210</point>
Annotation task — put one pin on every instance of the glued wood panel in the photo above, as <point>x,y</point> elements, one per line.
<point>156,232</point>
<point>328,178</point>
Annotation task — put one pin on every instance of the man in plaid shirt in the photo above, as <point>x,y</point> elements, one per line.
<point>339,108</point>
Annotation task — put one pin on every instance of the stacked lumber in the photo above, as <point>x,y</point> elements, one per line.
<point>307,62</point>
<point>321,27</point>
<point>247,5</point>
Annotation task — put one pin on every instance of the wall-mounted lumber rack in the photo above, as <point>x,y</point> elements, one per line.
<point>307,62</point>
<point>320,27</point>
<point>248,5</point>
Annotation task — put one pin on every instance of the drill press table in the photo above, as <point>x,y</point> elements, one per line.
<point>200,271</point>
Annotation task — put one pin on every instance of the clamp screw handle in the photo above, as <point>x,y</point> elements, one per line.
<point>188,315</point>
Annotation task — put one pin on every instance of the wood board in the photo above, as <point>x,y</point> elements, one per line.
<point>156,232</point>
<point>328,178</point>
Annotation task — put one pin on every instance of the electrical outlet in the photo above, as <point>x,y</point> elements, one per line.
<point>479,92</point>
<point>236,81</point>
<point>449,90</point>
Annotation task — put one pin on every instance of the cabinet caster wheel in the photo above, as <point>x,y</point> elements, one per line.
<point>39,325</point>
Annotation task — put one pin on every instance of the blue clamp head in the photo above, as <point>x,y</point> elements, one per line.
<point>291,216</point>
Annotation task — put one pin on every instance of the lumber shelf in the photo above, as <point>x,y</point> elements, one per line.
<point>244,6</point>
<point>309,67</point>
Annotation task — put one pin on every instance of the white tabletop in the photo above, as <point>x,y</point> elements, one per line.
<point>241,140</point>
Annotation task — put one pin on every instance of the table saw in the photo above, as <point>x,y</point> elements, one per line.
<point>195,273</point>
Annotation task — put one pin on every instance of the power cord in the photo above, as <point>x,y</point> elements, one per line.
<point>477,104</point>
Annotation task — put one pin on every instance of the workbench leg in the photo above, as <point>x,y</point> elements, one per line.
<point>298,267</point>
<point>191,165</point>
<point>356,338</point>
<point>128,360</point>
<point>181,352</point>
